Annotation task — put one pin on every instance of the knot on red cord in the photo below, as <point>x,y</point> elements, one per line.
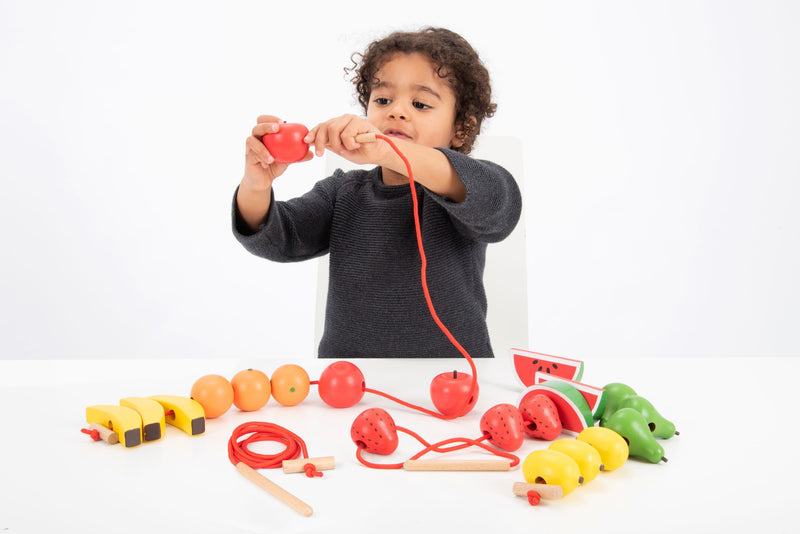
<point>93,433</point>
<point>311,471</point>
<point>534,497</point>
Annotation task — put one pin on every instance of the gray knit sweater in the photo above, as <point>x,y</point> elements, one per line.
<point>376,307</point>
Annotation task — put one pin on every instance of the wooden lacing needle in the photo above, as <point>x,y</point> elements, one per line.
<point>457,465</point>
<point>545,491</point>
<point>98,432</point>
<point>365,138</point>
<point>298,465</point>
<point>274,489</point>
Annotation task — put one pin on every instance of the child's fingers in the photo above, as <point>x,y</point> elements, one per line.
<point>257,152</point>
<point>264,128</point>
<point>267,118</point>
<point>350,132</point>
<point>336,131</point>
<point>317,137</point>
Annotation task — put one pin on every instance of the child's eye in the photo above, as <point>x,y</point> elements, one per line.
<point>421,105</point>
<point>382,101</point>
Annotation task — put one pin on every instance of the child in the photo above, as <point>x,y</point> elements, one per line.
<point>429,92</point>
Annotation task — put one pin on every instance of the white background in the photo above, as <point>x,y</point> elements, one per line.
<point>661,169</point>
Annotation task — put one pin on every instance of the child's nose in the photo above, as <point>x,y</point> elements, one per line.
<point>398,111</point>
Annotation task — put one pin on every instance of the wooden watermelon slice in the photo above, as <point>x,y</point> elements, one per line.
<point>595,397</point>
<point>527,364</point>
<point>573,421</point>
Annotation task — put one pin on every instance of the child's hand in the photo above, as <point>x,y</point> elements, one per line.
<point>339,136</point>
<point>260,168</point>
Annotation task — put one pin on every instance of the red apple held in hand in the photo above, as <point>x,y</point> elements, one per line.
<point>287,145</point>
<point>449,390</point>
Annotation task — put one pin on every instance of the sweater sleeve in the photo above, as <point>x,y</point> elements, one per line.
<point>295,230</point>
<point>493,204</point>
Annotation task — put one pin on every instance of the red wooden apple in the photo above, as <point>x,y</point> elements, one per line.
<point>448,391</point>
<point>287,145</point>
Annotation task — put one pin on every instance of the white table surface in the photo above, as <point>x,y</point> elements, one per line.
<point>733,468</point>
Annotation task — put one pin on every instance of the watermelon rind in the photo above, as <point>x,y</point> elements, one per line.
<point>595,396</point>
<point>576,397</point>
<point>573,420</point>
<point>527,363</point>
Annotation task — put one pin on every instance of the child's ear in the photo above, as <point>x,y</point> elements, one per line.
<point>462,129</point>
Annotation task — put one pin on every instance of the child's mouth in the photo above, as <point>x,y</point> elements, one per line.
<point>398,134</point>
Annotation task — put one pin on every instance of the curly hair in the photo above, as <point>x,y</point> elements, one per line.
<point>455,61</point>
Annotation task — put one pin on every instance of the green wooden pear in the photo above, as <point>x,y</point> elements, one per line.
<point>659,425</point>
<point>632,426</point>
<point>616,392</point>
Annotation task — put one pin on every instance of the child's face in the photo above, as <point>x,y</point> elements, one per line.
<point>410,101</point>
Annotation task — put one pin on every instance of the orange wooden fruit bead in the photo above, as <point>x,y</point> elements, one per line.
<point>251,390</point>
<point>214,393</point>
<point>290,384</point>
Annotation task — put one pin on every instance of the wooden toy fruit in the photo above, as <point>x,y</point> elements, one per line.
<point>552,467</point>
<point>588,459</point>
<point>540,417</point>
<point>502,426</point>
<point>659,425</point>
<point>527,364</point>
<point>251,390</point>
<point>573,419</point>
<point>341,385</point>
<point>374,430</point>
<point>152,415</point>
<point>615,393</point>
<point>611,446</point>
<point>183,412</point>
<point>449,390</point>
<point>290,384</point>
<point>595,397</point>
<point>575,396</point>
<point>632,426</point>
<point>214,393</point>
<point>125,421</point>
<point>287,145</point>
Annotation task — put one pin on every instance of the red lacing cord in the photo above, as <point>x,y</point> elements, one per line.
<point>463,443</point>
<point>261,431</point>
<point>425,290</point>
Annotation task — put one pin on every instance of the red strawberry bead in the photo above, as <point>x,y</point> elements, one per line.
<point>374,431</point>
<point>502,425</point>
<point>540,417</point>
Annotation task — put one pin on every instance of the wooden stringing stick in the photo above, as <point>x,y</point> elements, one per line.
<point>298,465</point>
<point>457,465</point>
<point>545,491</point>
<point>274,490</point>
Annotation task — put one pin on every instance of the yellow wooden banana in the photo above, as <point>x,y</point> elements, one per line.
<point>125,421</point>
<point>152,414</point>
<point>183,412</point>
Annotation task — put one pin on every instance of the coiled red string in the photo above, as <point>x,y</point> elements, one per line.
<point>463,443</point>
<point>247,433</point>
